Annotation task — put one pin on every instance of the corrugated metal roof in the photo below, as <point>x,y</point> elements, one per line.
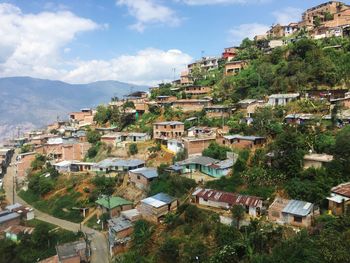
<point>283,96</point>
<point>202,160</point>
<point>169,123</point>
<point>241,137</point>
<point>4,217</point>
<point>229,198</point>
<point>299,208</point>
<point>119,224</point>
<point>146,172</point>
<point>116,162</point>
<point>342,189</point>
<point>159,200</point>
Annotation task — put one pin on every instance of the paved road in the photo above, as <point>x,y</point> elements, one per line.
<point>98,240</point>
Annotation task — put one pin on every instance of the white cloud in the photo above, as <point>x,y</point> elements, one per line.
<point>149,66</point>
<point>31,43</point>
<point>216,2</point>
<point>149,12</point>
<point>238,33</point>
<point>287,15</point>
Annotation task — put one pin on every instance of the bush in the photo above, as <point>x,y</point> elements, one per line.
<point>216,151</point>
<point>133,149</point>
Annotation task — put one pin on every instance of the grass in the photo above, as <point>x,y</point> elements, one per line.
<point>57,206</point>
<point>92,223</point>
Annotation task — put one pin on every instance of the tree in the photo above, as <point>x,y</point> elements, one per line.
<point>38,162</point>
<point>169,250</point>
<point>133,149</point>
<point>289,149</point>
<point>102,115</point>
<point>342,149</point>
<point>216,151</point>
<point>238,213</point>
<point>93,136</point>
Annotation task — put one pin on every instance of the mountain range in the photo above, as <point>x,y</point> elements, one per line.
<point>27,103</point>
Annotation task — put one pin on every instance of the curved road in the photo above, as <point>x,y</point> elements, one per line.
<point>99,248</point>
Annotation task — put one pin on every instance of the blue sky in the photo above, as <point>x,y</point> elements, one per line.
<point>137,41</point>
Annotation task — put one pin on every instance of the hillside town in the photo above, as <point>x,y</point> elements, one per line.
<point>244,157</point>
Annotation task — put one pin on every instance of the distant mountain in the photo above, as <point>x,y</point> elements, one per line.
<point>28,102</point>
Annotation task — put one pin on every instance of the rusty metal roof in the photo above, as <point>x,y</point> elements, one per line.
<point>230,198</point>
<point>342,189</point>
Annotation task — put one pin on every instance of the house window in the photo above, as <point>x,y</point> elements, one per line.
<point>138,177</point>
<point>298,219</point>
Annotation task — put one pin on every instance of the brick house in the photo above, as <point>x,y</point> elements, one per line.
<point>185,78</point>
<point>242,142</point>
<point>187,105</point>
<point>197,90</point>
<point>24,163</point>
<point>73,252</point>
<point>154,208</point>
<point>83,116</point>
<point>113,205</point>
<point>168,130</point>
<point>339,200</point>
<point>218,111</point>
<point>142,177</point>
<point>293,212</point>
<point>234,67</point>
<point>229,53</point>
<point>331,7</point>
<point>196,145</point>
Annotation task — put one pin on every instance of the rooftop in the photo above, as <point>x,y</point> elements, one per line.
<point>118,224</point>
<point>116,162</point>
<point>284,96</point>
<point>69,250</point>
<point>241,137</point>
<point>325,158</point>
<point>299,208</point>
<point>159,200</point>
<point>114,201</point>
<point>7,216</point>
<point>169,123</point>
<point>342,189</point>
<point>202,160</point>
<point>226,197</point>
<point>149,173</point>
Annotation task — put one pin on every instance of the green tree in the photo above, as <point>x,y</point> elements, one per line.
<point>169,251</point>
<point>93,136</point>
<point>103,114</point>
<point>216,151</point>
<point>133,149</point>
<point>238,213</point>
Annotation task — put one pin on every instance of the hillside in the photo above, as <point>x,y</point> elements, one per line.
<point>28,103</point>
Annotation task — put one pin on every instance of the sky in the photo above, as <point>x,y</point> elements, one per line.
<point>134,41</point>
